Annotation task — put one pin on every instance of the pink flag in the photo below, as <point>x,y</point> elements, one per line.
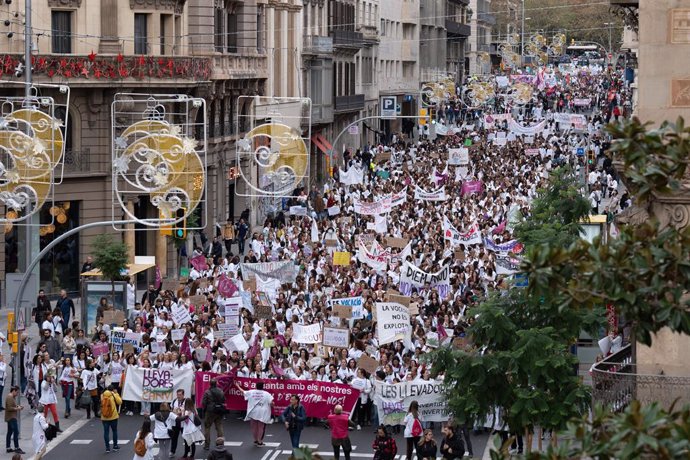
<point>442,334</point>
<point>185,348</point>
<point>280,341</point>
<point>254,350</point>
<point>277,370</point>
<point>227,381</point>
<point>500,229</point>
<point>199,262</point>
<point>226,287</point>
<point>159,279</point>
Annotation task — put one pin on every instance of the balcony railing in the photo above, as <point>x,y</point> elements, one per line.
<point>616,383</point>
<point>457,28</point>
<point>78,161</point>
<point>347,38</point>
<point>351,103</point>
<point>317,44</point>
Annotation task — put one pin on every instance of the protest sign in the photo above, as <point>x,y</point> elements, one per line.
<point>532,152</point>
<point>334,211</point>
<point>203,354</point>
<point>383,156</point>
<point>283,270</point>
<point>119,338</point>
<point>460,343</point>
<point>393,400</point>
<point>318,398</point>
<point>127,349</point>
<point>100,348</point>
<point>450,233</point>
<point>225,331</point>
<point>458,157</point>
<point>342,311</point>
<point>367,363</point>
<point>306,334</point>
<point>298,210</point>
<point>156,385</point>
<point>263,299</point>
<point>113,317</point>
<point>249,284</point>
<point>177,334</point>
<point>381,206</point>
<point>435,195</point>
<point>180,315</point>
<point>341,258</point>
<point>197,300</point>
<point>401,299</point>
<point>459,254</point>
<point>336,337</point>
<point>236,343</point>
<point>158,347</point>
<point>469,187</point>
<point>171,285</point>
<point>393,322</point>
<point>432,339</point>
<point>376,261</point>
<point>399,243</point>
<point>412,276</point>
<point>356,303</point>
<point>510,246</point>
<point>414,308</point>
<point>263,311</point>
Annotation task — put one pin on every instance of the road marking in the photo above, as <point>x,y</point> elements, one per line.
<point>233,443</point>
<point>272,444</point>
<point>275,454</point>
<point>81,441</point>
<point>311,446</point>
<point>63,436</point>
<point>330,454</point>
<point>266,455</point>
<point>122,442</point>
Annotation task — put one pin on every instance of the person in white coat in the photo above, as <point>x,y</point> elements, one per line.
<point>145,435</point>
<point>38,438</point>
<point>49,398</point>
<point>163,421</point>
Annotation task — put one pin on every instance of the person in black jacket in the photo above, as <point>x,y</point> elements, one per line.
<point>427,448</point>
<point>219,451</point>
<point>42,307</point>
<point>452,446</point>
<point>213,403</point>
<point>150,296</point>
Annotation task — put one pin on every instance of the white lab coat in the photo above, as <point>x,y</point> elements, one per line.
<point>38,438</point>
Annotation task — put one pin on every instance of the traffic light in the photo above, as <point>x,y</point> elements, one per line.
<point>590,157</point>
<point>179,229</point>
<point>423,114</point>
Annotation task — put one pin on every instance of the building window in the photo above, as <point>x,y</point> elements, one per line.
<point>218,27</point>
<point>141,35</point>
<point>61,30</point>
<point>260,29</point>
<point>231,31</point>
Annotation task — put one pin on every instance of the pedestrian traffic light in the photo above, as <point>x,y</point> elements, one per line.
<point>179,229</point>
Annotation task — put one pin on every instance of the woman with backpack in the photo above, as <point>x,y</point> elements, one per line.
<point>191,429</point>
<point>413,428</point>
<point>163,426</point>
<point>143,443</point>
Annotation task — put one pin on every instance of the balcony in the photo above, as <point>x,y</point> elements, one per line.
<point>457,28</point>
<point>317,44</point>
<point>616,383</point>
<point>103,70</point>
<point>321,114</point>
<point>238,66</point>
<point>79,162</point>
<point>347,39</point>
<point>351,103</point>
<point>370,34</point>
<point>632,3</point>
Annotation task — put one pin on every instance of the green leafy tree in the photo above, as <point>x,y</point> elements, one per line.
<point>521,362</point>
<point>111,258</point>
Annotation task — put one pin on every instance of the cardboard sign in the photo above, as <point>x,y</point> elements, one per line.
<point>249,285</point>
<point>341,258</point>
<point>414,308</point>
<point>383,156</point>
<point>399,243</point>
<point>331,243</point>
<point>336,337</point>
<point>263,299</point>
<point>158,347</point>
<point>401,299</point>
<point>113,317</point>
<point>460,343</point>
<point>367,363</point>
<point>263,311</point>
<point>459,254</point>
<point>171,285</point>
<point>127,349</point>
<point>342,311</point>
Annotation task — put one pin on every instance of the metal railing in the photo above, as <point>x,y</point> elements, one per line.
<point>317,44</point>
<point>616,383</point>
<point>349,103</point>
<point>77,161</point>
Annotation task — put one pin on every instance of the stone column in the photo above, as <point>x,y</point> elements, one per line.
<point>285,44</point>
<point>109,43</point>
<point>129,234</point>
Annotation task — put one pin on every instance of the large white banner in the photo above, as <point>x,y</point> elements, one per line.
<point>458,157</point>
<point>352,176</point>
<point>517,128</point>
<point>436,195</point>
<point>382,206</point>
<point>392,322</point>
<point>306,334</point>
<point>450,233</point>
<point>156,385</point>
<point>378,262</point>
<point>393,400</point>
<point>411,276</point>
<point>283,270</point>
<point>399,198</point>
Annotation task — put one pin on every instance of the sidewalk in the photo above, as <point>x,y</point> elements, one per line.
<point>70,425</point>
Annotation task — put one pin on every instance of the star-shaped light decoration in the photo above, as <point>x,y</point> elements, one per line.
<point>175,130</point>
<point>38,147</point>
<point>189,145</point>
<point>121,142</point>
<point>198,182</point>
<point>12,176</point>
<point>244,144</point>
<point>3,123</point>
<point>121,164</point>
<point>160,178</point>
<point>57,123</point>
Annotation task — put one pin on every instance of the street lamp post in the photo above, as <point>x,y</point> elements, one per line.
<point>610,24</point>
<point>522,35</point>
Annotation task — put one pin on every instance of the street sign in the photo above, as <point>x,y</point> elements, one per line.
<point>354,130</point>
<point>388,104</point>
<point>580,151</point>
<point>398,109</point>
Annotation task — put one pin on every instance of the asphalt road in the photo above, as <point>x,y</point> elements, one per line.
<point>84,440</point>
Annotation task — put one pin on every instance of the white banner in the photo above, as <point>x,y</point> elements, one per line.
<point>381,224</point>
<point>373,209</point>
<point>506,265</point>
<point>352,176</point>
<point>399,198</point>
<point>411,276</point>
<point>377,262</point>
<point>298,210</point>
<point>517,128</point>
<point>392,322</point>
<point>450,233</point>
<point>393,400</point>
<point>118,339</point>
<point>458,157</point>
<point>306,334</point>
<point>436,195</point>
<point>283,270</point>
<point>357,304</point>
<point>334,210</point>
<point>156,385</point>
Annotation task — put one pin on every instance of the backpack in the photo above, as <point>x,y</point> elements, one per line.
<point>417,428</point>
<point>107,406</point>
<point>140,447</point>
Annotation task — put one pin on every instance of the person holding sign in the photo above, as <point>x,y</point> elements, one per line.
<point>259,405</point>
<point>294,417</point>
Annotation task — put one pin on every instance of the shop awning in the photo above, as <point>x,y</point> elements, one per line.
<point>132,269</point>
<point>321,143</point>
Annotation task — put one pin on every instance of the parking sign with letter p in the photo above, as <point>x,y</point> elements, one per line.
<point>388,106</point>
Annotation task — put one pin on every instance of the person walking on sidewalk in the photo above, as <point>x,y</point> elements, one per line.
<point>339,424</point>
<point>294,417</point>
<point>259,410</point>
<point>413,428</point>
<point>38,437</point>
<point>66,306</point>
<point>110,400</point>
<point>49,399</point>
<point>12,410</point>
<point>213,403</point>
